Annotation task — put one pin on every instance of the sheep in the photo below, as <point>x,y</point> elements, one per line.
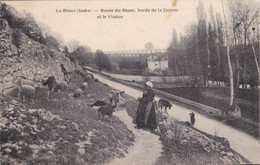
<point>27,91</point>
<point>63,86</point>
<point>77,93</point>
<point>88,77</point>
<point>84,86</point>
<point>25,82</point>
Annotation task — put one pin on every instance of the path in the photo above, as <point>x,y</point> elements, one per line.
<point>239,141</point>
<point>147,146</point>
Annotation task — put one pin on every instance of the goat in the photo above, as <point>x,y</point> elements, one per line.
<point>114,100</point>
<point>192,118</point>
<point>106,110</point>
<point>50,82</point>
<point>98,103</point>
<point>164,103</point>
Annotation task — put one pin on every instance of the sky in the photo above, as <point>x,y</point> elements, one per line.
<point>131,32</point>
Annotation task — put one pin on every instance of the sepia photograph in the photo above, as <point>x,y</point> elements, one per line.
<point>129,82</point>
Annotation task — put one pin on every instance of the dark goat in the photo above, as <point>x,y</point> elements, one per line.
<point>192,118</point>
<point>50,82</point>
<point>164,103</point>
<point>98,103</point>
<point>106,110</point>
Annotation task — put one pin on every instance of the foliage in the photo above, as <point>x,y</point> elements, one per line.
<point>52,42</point>
<point>26,23</point>
<point>201,51</point>
<point>82,55</point>
<point>149,46</point>
<point>102,61</point>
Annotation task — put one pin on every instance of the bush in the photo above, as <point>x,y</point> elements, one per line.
<point>102,61</point>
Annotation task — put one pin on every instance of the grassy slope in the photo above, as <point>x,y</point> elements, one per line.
<point>32,133</point>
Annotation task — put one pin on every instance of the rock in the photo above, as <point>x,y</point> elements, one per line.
<point>81,151</point>
<point>7,150</point>
<point>23,54</point>
<point>170,134</point>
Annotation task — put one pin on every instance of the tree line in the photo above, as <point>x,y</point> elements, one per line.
<point>202,49</point>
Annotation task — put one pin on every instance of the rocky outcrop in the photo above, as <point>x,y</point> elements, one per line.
<point>23,53</point>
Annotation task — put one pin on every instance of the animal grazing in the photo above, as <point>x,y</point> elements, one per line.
<point>65,73</point>
<point>27,91</point>
<point>114,100</point>
<point>98,103</point>
<point>50,83</point>
<point>84,86</point>
<point>63,86</point>
<point>77,93</point>
<point>106,110</point>
<point>88,77</point>
<point>164,103</point>
<point>192,118</point>
<point>25,82</point>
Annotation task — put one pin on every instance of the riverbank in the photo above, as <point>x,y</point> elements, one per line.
<point>243,124</point>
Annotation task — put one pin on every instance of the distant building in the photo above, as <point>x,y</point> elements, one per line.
<point>155,60</point>
<point>157,63</point>
<point>134,53</point>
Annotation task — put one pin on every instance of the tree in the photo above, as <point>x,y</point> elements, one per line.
<point>73,45</point>
<point>149,46</point>
<point>173,52</point>
<point>184,52</point>
<point>229,61</point>
<point>220,42</point>
<point>52,42</point>
<point>193,49</point>
<point>66,51</point>
<point>203,41</point>
<point>243,14</point>
<point>83,55</point>
<point>102,61</point>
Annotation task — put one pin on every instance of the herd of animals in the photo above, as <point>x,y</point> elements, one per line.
<point>27,89</point>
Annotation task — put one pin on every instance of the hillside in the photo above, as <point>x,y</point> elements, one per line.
<point>24,52</point>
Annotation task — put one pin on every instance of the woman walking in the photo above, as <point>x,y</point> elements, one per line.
<point>145,115</point>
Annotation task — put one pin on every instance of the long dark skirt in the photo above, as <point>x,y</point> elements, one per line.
<point>152,123</point>
<point>140,115</point>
